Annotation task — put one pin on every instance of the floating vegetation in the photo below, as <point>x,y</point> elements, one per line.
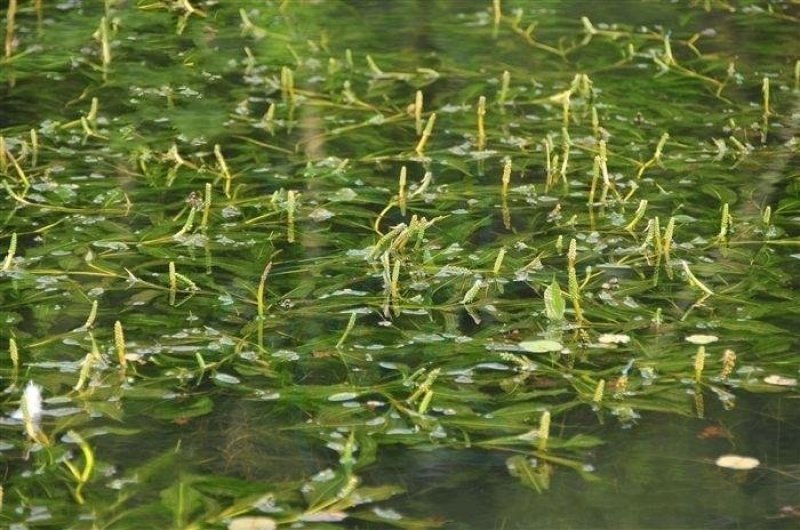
<point>364,263</point>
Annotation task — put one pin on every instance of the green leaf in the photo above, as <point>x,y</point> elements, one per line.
<point>554,305</point>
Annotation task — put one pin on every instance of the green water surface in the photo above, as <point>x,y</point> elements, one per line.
<point>407,264</point>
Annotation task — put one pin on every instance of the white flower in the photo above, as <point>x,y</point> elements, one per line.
<point>30,409</point>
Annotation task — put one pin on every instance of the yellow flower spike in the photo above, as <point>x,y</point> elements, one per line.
<point>699,363</point>
<point>544,431</point>
<point>481,125</point>
<point>119,344</point>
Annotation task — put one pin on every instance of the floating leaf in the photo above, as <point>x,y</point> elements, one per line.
<point>737,462</point>
<point>324,517</point>
<point>342,396</point>
<point>702,339</point>
<point>541,346</point>
<point>780,380</point>
<point>612,338</point>
<point>252,523</point>
<point>226,378</point>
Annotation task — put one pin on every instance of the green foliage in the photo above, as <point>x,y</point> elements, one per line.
<point>221,179</point>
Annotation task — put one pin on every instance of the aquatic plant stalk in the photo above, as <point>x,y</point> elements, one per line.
<point>505,82</point>
<point>87,365</point>
<point>3,155</point>
<point>496,16</point>
<point>119,344</point>
<point>566,144</point>
<point>34,148</point>
<point>572,253</point>
<point>287,86</point>
<point>607,183</point>
<point>425,385</point>
<point>83,476</point>
<point>173,283</point>
<point>498,262</point>
<point>505,212</point>
<point>425,402</point>
<point>543,434</point>
<point>261,309</point>
<point>637,216</point>
<point>350,325</point>
<point>548,149</point>
<point>10,41</point>
<point>418,105</point>
<point>595,123</point>
<point>12,250</point>
<point>291,206</point>
<point>572,278</point>
<point>767,110</point>
<point>268,120</point>
<point>599,390</point>
<point>506,178</point>
<point>766,216</point>
<point>699,362</point>
<point>101,35</point>
<point>223,167</point>
<point>725,224</point>
<point>667,245</point>
<point>658,246</point>
<point>693,281</point>
<point>92,316</point>
<point>379,246</point>
<point>481,125</point>
<point>427,178</point>
<point>401,191</point>
<point>206,208</point>
<point>13,353</point>
<point>699,402</point>
<point>187,226</point>
<point>728,363</point>
<point>656,159</point>
<point>426,134</point>
<point>18,168</point>
<point>394,287</point>
<point>472,292</point>
<point>797,75</point>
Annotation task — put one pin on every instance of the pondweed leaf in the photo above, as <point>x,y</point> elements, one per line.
<point>554,305</point>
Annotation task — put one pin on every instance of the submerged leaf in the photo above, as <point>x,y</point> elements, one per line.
<point>531,474</point>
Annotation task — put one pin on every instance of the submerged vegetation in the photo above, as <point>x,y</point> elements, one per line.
<point>312,264</point>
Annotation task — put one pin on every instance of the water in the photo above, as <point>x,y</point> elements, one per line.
<point>236,307</point>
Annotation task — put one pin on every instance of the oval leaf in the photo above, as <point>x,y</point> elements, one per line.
<point>541,346</point>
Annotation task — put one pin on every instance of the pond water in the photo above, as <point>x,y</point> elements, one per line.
<point>476,264</point>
